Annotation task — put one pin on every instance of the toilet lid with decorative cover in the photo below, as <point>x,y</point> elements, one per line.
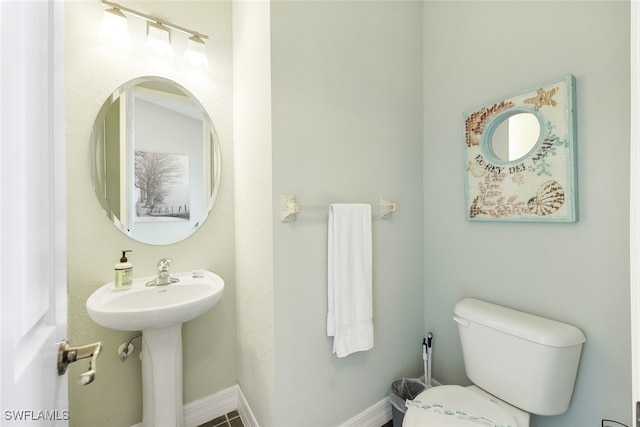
<point>455,406</point>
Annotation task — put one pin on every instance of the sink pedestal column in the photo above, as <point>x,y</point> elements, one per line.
<point>162,377</point>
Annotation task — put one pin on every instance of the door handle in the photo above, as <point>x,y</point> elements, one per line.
<point>68,354</point>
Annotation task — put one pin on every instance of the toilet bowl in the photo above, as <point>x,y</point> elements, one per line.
<point>454,405</point>
<point>519,363</point>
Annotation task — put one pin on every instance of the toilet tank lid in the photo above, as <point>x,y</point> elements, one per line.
<point>517,323</point>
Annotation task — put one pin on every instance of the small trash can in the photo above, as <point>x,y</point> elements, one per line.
<point>399,392</point>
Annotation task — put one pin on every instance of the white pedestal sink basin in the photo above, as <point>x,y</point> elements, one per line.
<point>159,312</point>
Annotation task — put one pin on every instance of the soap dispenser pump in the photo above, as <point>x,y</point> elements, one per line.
<point>124,273</point>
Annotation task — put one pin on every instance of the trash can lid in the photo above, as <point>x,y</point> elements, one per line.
<point>455,406</point>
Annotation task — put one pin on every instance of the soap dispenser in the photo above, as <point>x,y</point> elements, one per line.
<point>124,273</point>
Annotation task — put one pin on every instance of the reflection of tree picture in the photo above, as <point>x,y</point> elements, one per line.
<point>162,186</point>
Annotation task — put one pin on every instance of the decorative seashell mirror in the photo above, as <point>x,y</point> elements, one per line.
<point>521,156</point>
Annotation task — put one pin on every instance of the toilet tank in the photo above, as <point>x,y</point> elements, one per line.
<point>525,360</point>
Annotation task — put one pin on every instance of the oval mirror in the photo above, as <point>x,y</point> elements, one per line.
<point>156,160</point>
<point>515,136</point>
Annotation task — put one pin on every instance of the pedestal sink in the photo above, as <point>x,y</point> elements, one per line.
<point>159,312</point>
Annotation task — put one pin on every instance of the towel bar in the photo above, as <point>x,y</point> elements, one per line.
<point>289,207</point>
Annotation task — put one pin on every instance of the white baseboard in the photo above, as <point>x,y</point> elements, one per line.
<point>248,420</point>
<point>216,405</point>
<point>213,406</point>
<point>374,416</point>
<point>377,415</point>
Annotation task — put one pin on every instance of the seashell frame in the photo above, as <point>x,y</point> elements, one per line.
<point>542,184</point>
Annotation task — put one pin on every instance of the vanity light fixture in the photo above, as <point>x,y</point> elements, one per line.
<point>114,30</point>
<point>159,35</point>
<point>196,54</point>
<point>159,40</point>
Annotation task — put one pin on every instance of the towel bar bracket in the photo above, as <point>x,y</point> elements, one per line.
<point>388,207</point>
<point>290,208</point>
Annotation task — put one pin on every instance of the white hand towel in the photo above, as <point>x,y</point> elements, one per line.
<point>349,278</point>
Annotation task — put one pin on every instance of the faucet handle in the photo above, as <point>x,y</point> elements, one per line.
<point>164,264</point>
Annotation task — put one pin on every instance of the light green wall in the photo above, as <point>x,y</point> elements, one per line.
<point>93,72</point>
<point>252,143</point>
<point>578,273</point>
<point>347,127</point>
<point>363,99</point>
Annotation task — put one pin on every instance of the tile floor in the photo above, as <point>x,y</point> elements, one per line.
<point>232,419</point>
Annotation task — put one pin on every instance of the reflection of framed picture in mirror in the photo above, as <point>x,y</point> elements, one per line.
<point>161,187</point>
<point>521,157</point>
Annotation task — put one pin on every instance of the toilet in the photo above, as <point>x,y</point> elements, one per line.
<point>519,363</point>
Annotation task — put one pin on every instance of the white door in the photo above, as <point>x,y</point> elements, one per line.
<point>33,288</point>
<point>635,209</point>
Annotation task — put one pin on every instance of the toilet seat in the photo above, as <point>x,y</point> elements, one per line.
<point>455,406</point>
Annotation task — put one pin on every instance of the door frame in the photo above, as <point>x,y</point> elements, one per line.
<point>634,240</point>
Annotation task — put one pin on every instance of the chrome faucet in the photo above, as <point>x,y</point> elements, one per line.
<point>163,277</point>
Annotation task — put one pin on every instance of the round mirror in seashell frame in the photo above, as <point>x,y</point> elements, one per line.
<point>515,136</point>
<point>539,185</point>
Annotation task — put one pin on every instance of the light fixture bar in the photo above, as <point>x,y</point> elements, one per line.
<point>154,19</point>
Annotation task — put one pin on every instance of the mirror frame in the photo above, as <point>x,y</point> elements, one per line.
<point>153,231</point>
<point>539,186</point>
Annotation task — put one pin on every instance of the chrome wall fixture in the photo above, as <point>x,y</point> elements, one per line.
<point>115,32</point>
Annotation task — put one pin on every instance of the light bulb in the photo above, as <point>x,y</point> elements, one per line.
<point>159,40</point>
<point>196,54</point>
<point>114,30</point>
